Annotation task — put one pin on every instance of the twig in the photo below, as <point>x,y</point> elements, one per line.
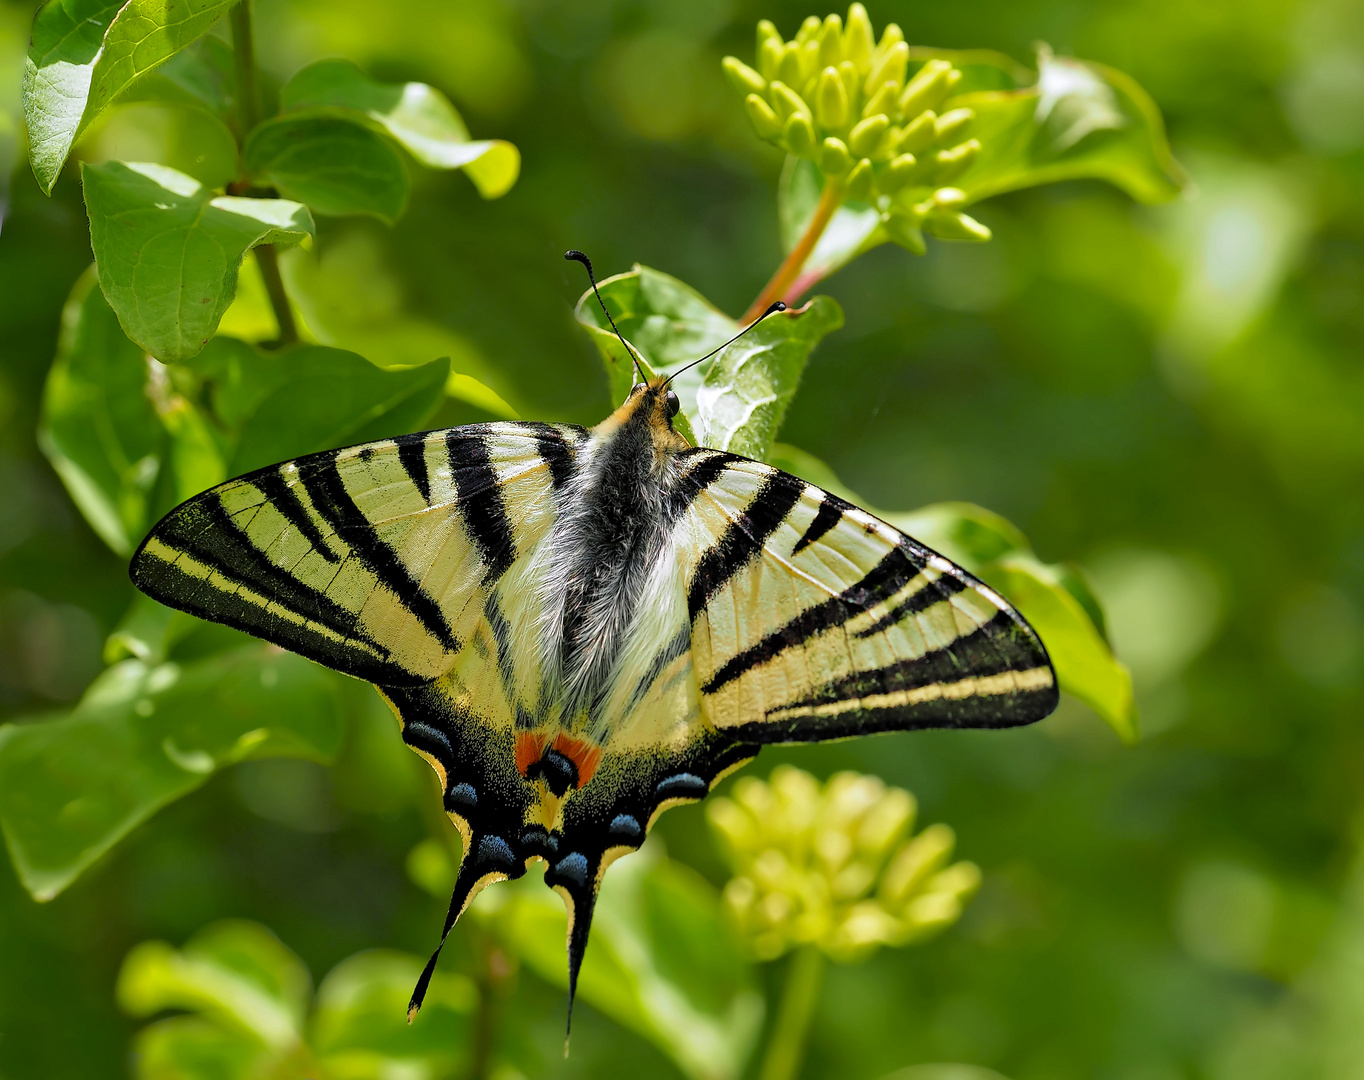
<point>791,266</point>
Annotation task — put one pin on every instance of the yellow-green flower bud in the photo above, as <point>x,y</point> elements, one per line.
<point>927,90</point>
<point>866,134</point>
<point>809,29</point>
<point>952,163</point>
<point>799,134</point>
<point>742,77</point>
<point>954,225</point>
<point>765,122</point>
<point>789,70</point>
<point>770,53</point>
<point>919,133</point>
<point>949,198</point>
<point>859,182</point>
<point>858,39</point>
<point>831,42</point>
<point>767,31</point>
<point>925,855</point>
<point>889,67</point>
<point>831,101</point>
<point>809,59</point>
<point>907,234</point>
<point>785,100</point>
<point>900,172</point>
<point>951,124</point>
<point>881,102</point>
<point>891,36</point>
<point>834,159</point>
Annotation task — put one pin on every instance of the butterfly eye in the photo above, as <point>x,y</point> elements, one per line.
<point>639,388</point>
<point>672,405</point>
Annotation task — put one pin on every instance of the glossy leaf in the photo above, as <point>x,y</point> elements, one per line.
<point>662,962</point>
<point>360,1029</point>
<point>143,735</point>
<point>333,164</point>
<point>419,117</point>
<point>735,402</point>
<point>167,250</point>
<point>308,398</point>
<point>99,428</point>
<point>1080,120</point>
<point>199,76</point>
<point>84,53</point>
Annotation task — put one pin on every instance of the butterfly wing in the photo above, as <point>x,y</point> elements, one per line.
<point>373,560</point>
<point>813,619</point>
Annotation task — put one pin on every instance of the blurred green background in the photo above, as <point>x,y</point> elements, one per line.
<point>1170,396</point>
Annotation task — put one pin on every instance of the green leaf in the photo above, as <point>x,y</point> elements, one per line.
<point>735,402</point>
<point>663,961</point>
<point>1080,120</point>
<point>1054,598</point>
<point>286,403</point>
<point>143,735</point>
<point>418,116</point>
<point>1085,665</point>
<point>187,1046</point>
<point>360,1028</point>
<point>333,164</point>
<point>200,76</point>
<point>235,973</point>
<point>168,250</point>
<point>84,53</point>
<point>98,427</point>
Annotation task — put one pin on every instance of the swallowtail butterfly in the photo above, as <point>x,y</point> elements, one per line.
<point>580,628</point>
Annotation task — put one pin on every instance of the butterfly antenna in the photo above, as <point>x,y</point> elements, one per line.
<point>574,255</point>
<point>778,306</point>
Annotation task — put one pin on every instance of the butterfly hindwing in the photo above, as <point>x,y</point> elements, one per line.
<point>372,560</point>
<point>812,619</point>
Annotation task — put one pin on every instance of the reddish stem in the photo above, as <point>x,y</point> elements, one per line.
<point>789,270</point>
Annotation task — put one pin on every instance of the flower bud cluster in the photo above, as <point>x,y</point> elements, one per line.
<point>851,104</point>
<point>835,865</point>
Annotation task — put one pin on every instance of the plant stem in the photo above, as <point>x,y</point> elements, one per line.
<point>244,65</point>
<point>786,1043</point>
<point>790,268</point>
<point>248,116</point>
<point>268,261</point>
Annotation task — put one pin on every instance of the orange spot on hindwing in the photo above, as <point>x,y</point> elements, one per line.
<point>530,748</point>
<point>584,755</point>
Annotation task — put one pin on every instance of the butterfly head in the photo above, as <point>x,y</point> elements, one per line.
<point>651,406</point>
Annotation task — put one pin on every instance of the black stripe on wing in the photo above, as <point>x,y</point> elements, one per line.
<point>322,480</point>
<point>884,580</point>
<point>482,508</point>
<point>743,538</point>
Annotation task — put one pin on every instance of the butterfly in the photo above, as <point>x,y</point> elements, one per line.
<point>580,628</point>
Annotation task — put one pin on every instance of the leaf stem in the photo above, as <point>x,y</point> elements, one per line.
<point>790,268</point>
<point>800,995</point>
<point>244,66</point>
<point>248,116</point>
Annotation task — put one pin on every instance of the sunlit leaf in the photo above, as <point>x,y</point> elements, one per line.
<point>360,1029</point>
<point>1080,120</point>
<point>143,735</point>
<point>167,250</point>
<point>200,76</point>
<point>98,427</point>
<point>234,972</point>
<point>333,164</point>
<point>418,116</point>
<point>84,53</point>
<point>662,961</point>
<point>310,397</point>
<point>735,402</point>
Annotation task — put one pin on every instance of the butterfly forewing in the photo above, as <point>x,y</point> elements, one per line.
<point>374,560</point>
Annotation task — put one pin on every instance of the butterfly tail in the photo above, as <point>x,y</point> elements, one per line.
<point>488,859</point>
<point>576,880</point>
